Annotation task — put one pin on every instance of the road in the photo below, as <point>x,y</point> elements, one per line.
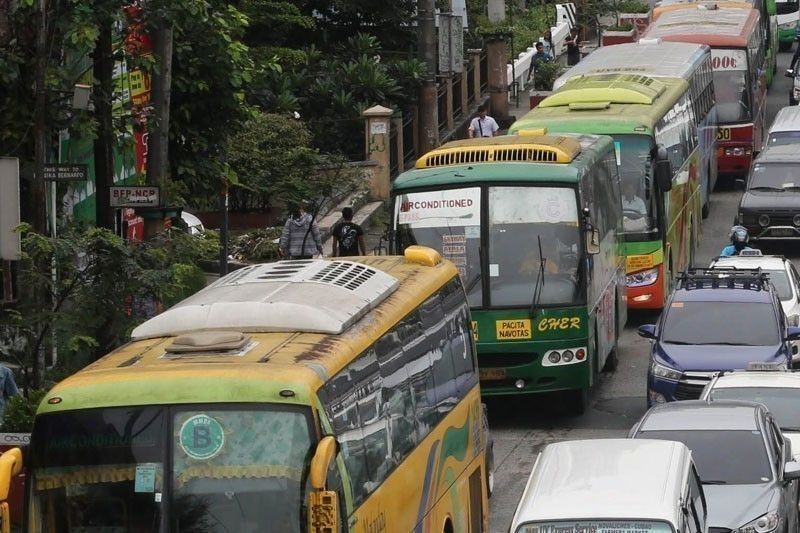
<point>520,427</point>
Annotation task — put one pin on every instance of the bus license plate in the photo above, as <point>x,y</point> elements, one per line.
<point>489,374</point>
<point>782,232</point>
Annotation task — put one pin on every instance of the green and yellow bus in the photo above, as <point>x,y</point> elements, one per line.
<point>533,225</point>
<point>773,22</point>
<point>299,396</point>
<point>647,96</point>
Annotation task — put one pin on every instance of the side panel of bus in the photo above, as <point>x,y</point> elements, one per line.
<point>408,419</point>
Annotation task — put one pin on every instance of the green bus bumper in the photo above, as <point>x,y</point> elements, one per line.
<point>786,35</point>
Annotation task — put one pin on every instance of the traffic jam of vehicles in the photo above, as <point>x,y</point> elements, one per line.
<point>591,209</point>
<point>349,395</point>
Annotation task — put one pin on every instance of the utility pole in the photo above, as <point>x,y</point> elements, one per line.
<point>40,137</point>
<point>158,136</point>
<point>428,94</point>
<point>103,68</point>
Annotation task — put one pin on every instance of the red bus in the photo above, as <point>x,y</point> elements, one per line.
<point>738,59</point>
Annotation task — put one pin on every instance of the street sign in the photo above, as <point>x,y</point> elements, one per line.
<point>134,196</point>
<point>65,172</point>
<point>10,245</point>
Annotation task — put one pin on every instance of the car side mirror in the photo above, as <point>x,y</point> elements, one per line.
<point>740,184</point>
<point>648,331</point>
<point>663,169</point>
<point>789,73</point>
<point>793,333</point>
<point>791,471</point>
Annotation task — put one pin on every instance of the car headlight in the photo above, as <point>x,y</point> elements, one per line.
<point>763,220</point>
<point>665,372</point>
<point>762,524</point>
<point>640,279</point>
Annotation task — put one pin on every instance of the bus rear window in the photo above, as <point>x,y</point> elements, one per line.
<point>730,86</point>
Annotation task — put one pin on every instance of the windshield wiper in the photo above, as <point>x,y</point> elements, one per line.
<point>683,343</point>
<point>537,287</point>
<point>714,482</point>
<point>766,188</point>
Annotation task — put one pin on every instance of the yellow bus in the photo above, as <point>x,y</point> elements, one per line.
<point>298,396</point>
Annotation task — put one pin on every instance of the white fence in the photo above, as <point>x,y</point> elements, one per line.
<point>518,72</point>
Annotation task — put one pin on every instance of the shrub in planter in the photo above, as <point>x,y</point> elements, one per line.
<point>20,411</point>
<point>621,33</point>
<point>544,76</point>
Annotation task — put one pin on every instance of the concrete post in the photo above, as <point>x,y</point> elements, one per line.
<point>377,120</point>
<point>475,57</point>
<point>448,99</point>
<point>496,48</point>
<point>464,92</point>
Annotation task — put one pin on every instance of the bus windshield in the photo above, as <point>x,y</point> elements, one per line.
<point>233,469</point>
<point>638,198</point>
<point>786,8</point>
<point>518,218</point>
<point>731,86</point>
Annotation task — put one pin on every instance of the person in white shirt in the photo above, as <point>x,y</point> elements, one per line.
<point>483,125</point>
<point>634,210</point>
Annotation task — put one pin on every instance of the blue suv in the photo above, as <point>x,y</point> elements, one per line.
<point>714,320</point>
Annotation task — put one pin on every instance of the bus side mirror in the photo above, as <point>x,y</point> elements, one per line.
<point>592,241</point>
<point>789,73</point>
<point>323,505</point>
<point>10,466</point>
<point>663,170</point>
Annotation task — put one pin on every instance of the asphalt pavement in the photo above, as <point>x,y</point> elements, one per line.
<point>521,426</point>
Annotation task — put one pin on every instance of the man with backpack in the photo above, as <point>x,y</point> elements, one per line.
<point>348,237</point>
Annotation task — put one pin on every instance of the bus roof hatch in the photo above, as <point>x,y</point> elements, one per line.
<point>610,88</point>
<point>309,296</point>
<point>507,149</point>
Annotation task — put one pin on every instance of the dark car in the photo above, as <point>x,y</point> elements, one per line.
<point>715,319</point>
<point>770,205</point>
<point>743,460</point>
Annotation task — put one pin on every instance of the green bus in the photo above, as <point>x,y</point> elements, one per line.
<point>533,224</point>
<point>647,96</point>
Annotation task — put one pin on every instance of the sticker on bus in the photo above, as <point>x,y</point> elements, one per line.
<point>723,134</point>
<point>448,208</point>
<point>513,330</point>
<point>728,59</point>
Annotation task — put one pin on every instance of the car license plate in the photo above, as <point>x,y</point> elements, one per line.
<point>489,374</point>
<point>782,232</point>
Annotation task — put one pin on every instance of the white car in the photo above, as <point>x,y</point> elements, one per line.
<point>194,226</point>
<point>778,389</point>
<point>782,275</point>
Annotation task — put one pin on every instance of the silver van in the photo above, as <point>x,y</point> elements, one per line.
<point>612,485</point>
<point>785,128</point>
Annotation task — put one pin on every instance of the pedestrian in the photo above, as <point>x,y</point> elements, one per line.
<point>573,47</point>
<point>537,60</point>
<point>547,42</point>
<point>348,237</point>
<point>8,387</point>
<point>482,125</point>
<point>300,236</point>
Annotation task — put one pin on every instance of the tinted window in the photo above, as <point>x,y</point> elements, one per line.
<point>733,96</point>
<point>784,137</point>
<point>786,8</point>
<point>780,176</point>
<point>746,324</point>
<point>744,461</point>
<point>782,403</point>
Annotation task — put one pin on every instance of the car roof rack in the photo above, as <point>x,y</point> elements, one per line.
<point>722,278</point>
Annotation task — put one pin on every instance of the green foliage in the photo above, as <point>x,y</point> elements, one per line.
<point>256,245</point>
<point>105,287</point>
<point>20,411</point>
<point>632,6</point>
<point>546,74</point>
<point>525,26</point>
<point>621,27</point>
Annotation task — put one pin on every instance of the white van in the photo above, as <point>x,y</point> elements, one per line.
<point>619,485</point>
<point>785,128</point>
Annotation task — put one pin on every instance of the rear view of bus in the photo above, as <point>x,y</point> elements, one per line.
<point>738,58</point>
<point>788,11</point>
<point>298,396</point>
<point>657,102</point>
<point>533,225</point>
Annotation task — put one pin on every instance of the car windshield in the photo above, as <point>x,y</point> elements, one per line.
<point>779,280</point>
<point>779,138</point>
<point>520,220</point>
<point>231,469</point>
<point>448,221</point>
<point>730,86</point>
<point>778,176</point>
<point>781,402</point>
<point>638,198</point>
<point>744,462</point>
<point>736,323</point>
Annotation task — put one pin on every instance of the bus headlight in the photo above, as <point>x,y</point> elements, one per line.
<point>738,151</point>
<point>642,279</point>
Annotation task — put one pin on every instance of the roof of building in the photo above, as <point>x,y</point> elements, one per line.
<point>578,471</point>
<point>722,27</point>
<point>662,59</point>
<point>592,147</point>
<point>688,415</point>
<point>234,366</point>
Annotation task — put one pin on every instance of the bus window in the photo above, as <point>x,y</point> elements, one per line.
<point>731,86</point>
<point>520,218</point>
<point>448,220</point>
